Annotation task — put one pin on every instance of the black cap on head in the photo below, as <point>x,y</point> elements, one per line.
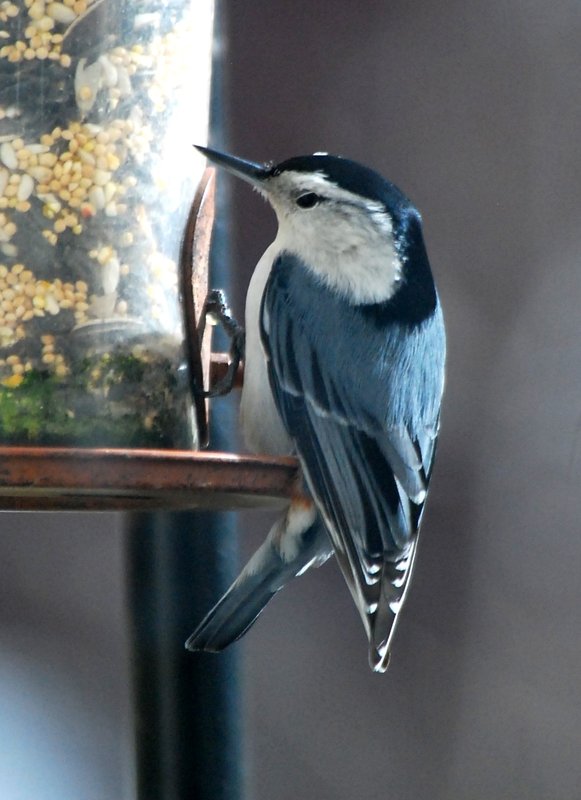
<point>348,175</point>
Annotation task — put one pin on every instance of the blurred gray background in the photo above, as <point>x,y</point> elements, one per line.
<point>473,109</point>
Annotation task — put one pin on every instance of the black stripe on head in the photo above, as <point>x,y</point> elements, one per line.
<point>351,176</point>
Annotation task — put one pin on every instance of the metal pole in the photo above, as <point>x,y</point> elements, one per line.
<point>187,720</point>
<point>186,707</point>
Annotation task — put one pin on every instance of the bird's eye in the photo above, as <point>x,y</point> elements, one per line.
<point>308,200</point>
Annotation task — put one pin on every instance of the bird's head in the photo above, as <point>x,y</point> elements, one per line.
<point>349,226</point>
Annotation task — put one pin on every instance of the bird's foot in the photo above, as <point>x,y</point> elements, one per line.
<point>217,310</point>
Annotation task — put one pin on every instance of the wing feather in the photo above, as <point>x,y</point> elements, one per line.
<point>364,420</point>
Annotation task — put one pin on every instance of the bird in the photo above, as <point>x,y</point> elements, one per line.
<point>344,367</point>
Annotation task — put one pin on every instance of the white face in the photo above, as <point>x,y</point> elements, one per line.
<point>345,239</point>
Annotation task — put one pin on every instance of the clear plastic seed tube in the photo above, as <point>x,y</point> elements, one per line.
<point>100,103</point>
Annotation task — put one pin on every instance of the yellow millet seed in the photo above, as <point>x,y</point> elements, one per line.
<point>12,382</point>
<point>46,23</point>
<point>47,159</point>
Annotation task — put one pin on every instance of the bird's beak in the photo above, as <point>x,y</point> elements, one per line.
<point>255,174</point>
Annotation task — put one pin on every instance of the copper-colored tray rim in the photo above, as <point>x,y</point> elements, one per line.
<point>111,479</point>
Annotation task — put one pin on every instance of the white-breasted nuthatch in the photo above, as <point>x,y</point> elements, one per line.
<point>344,366</point>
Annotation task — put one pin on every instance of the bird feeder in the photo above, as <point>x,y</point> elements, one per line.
<point>104,263</point>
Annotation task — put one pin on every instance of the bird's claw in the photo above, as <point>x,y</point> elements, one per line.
<point>216,307</point>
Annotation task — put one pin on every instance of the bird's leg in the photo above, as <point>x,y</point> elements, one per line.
<point>216,307</point>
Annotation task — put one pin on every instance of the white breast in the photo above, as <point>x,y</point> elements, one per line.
<point>261,424</point>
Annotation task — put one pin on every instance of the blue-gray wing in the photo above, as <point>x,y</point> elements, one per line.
<point>359,393</point>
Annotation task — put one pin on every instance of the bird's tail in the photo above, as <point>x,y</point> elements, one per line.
<point>296,542</point>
